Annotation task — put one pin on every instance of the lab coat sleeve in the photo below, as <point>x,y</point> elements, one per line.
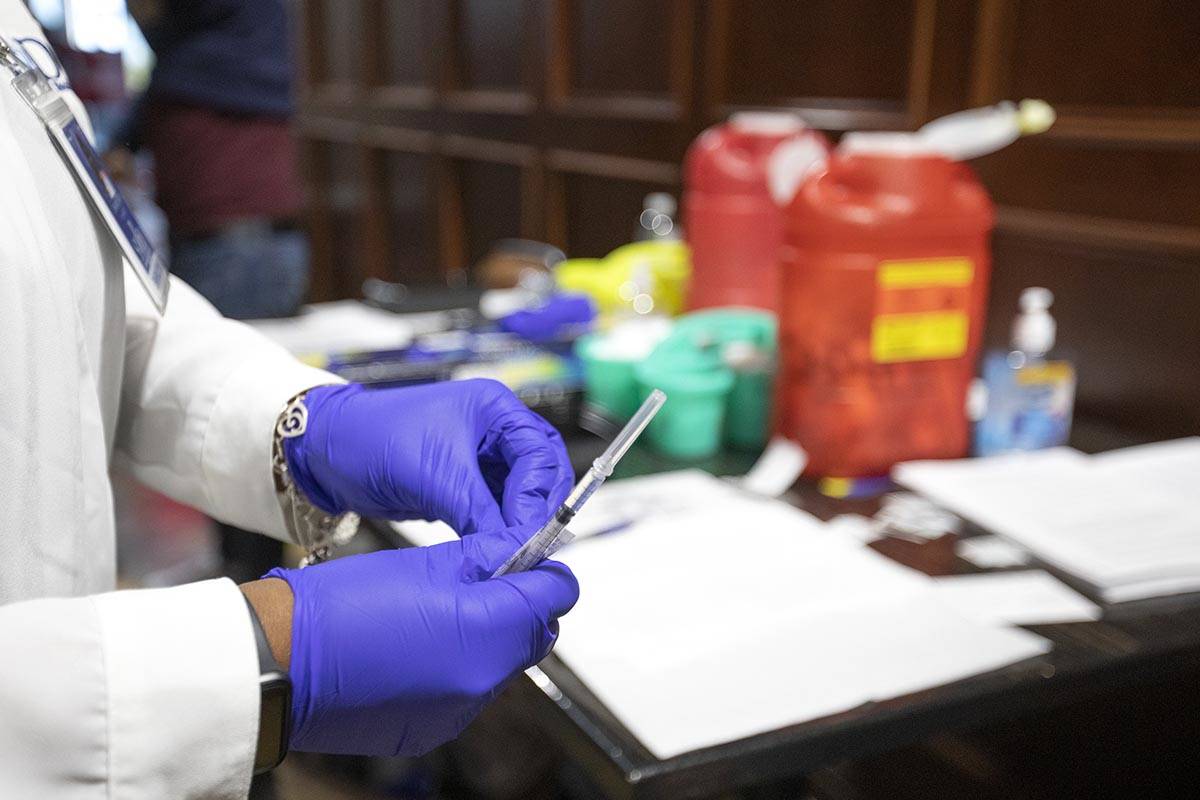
<point>199,401</point>
<point>135,694</point>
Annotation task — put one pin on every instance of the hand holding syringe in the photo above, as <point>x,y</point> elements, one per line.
<point>554,534</point>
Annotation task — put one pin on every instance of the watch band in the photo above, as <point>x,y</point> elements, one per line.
<point>310,527</point>
<point>275,702</point>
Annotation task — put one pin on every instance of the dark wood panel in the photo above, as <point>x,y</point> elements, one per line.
<point>1110,53</point>
<point>400,34</point>
<point>488,43</point>
<point>619,46</point>
<point>340,39</point>
<point>337,206</point>
<point>1142,184</point>
<point>601,212</point>
<point>818,49</point>
<point>491,205</point>
<point>409,186</point>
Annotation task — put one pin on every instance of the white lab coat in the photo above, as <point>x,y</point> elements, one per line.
<point>134,694</point>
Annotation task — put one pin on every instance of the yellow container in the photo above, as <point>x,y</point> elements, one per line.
<point>668,265</point>
<point>643,278</point>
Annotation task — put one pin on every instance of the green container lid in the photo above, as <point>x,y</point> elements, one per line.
<point>752,336</point>
<point>732,324</point>
<point>697,386</point>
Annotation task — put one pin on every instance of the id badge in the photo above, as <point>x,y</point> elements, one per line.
<point>91,175</point>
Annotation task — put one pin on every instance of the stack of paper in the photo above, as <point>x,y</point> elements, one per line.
<point>1126,522</point>
<point>708,614</point>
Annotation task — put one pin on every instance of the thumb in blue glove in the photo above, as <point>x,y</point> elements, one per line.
<point>466,452</point>
<point>395,652</point>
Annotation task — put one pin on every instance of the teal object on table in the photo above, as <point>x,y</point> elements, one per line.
<point>610,381</point>
<point>745,342</point>
<point>690,425</point>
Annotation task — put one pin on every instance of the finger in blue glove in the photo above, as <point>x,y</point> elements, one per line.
<point>395,652</point>
<point>469,453</point>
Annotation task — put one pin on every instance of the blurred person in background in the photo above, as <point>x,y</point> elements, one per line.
<point>216,118</point>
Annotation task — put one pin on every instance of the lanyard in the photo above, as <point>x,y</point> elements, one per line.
<point>89,170</point>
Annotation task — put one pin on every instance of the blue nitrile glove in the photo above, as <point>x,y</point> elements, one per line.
<point>559,314</point>
<point>465,452</point>
<point>395,652</point>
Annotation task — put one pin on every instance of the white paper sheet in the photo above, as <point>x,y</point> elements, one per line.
<point>733,616</point>
<point>776,469</point>
<point>1030,597</point>
<point>1126,522</point>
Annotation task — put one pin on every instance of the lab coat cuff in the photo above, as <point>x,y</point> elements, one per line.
<point>183,694</point>
<point>237,446</point>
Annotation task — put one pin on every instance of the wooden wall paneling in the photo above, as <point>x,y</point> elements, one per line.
<point>597,198</point>
<point>315,169</point>
<point>620,59</point>
<point>451,221</point>
<point>302,15</point>
<point>490,205</point>
<point>337,216</point>
<point>949,69</point>
<point>336,32</point>
<point>399,68</point>
<point>994,32</point>
<point>409,188</point>
<point>375,222</point>
<point>602,211</point>
<point>843,64</point>
<point>920,62</point>
<point>484,63</point>
<point>1108,53</point>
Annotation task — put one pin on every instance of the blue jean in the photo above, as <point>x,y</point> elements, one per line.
<point>248,270</point>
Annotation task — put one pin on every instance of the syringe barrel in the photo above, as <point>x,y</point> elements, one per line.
<point>534,550</point>
<point>542,543</point>
<point>586,487</point>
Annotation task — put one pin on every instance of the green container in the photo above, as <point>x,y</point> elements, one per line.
<point>747,341</point>
<point>690,424</point>
<point>609,383</point>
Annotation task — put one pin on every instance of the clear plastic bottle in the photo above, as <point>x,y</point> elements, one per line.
<point>657,220</point>
<point>1030,391</point>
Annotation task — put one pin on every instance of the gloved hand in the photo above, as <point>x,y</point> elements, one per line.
<point>395,652</point>
<point>465,452</point>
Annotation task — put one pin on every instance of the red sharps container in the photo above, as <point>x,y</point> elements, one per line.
<point>885,276</point>
<point>732,225</point>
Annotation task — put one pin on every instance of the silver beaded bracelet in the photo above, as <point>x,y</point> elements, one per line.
<point>310,527</point>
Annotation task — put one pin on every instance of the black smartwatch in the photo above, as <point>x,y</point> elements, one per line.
<point>275,705</point>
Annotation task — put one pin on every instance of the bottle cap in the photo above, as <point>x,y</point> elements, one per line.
<point>1034,330</point>
<point>1034,116</point>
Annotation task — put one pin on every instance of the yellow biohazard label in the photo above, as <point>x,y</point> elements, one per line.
<point>1050,372</point>
<point>925,272</point>
<point>921,336</point>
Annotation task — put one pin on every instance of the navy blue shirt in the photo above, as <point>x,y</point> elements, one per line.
<point>226,55</point>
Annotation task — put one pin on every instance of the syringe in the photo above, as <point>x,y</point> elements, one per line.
<point>554,534</point>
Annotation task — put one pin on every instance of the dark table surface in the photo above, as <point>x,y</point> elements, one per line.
<point>1132,643</point>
